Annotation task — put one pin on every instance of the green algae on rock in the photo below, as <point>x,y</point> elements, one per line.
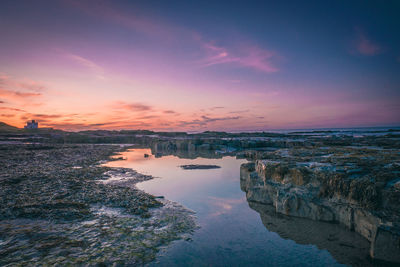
<point>57,208</point>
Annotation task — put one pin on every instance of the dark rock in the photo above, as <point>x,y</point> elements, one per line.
<point>354,187</point>
<point>199,167</point>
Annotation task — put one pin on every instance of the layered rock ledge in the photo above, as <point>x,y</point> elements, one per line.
<point>356,187</point>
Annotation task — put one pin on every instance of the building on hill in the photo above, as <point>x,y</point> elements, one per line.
<point>32,125</point>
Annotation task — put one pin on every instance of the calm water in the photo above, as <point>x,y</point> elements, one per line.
<point>231,233</point>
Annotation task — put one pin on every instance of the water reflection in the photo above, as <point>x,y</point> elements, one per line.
<point>231,232</point>
<point>186,152</point>
<point>189,187</point>
<point>345,246</point>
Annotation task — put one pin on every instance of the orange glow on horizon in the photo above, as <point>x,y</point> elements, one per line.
<point>115,66</point>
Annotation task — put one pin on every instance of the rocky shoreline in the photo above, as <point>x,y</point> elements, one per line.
<point>357,187</point>
<point>59,192</point>
<point>58,206</point>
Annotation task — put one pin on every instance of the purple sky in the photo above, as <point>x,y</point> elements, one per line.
<point>193,66</point>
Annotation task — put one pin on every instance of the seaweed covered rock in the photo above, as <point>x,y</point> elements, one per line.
<point>59,207</point>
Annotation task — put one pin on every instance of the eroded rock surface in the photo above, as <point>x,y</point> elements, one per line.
<point>353,186</point>
<point>59,207</point>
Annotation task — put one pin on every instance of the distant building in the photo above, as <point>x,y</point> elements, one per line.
<point>32,125</point>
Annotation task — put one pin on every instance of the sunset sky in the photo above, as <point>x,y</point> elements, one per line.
<point>200,65</point>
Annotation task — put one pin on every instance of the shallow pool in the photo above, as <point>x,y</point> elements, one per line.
<point>231,232</point>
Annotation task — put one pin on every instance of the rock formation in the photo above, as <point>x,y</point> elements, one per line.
<point>355,187</point>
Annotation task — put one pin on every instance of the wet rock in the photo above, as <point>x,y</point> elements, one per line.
<point>199,167</point>
<point>386,244</point>
<point>397,185</point>
<point>355,187</point>
<point>52,213</point>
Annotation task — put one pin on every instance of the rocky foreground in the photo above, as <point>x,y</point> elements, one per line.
<point>59,206</point>
<point>357,186</point>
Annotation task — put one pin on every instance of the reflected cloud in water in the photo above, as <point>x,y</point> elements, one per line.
<point>231,232</point>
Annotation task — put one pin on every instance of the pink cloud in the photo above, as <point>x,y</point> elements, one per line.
<point>259,59</point>
<point>224,205</point>
<point>135,107</point>
<point>205,120</point>
<point>17,94</point>
<point>136,22</point>
<point>12,109</point>
<point>23,84</point>
<point>94,68</point>
<point>11,89</point>
<point>169,112</point>
<point>84,61</point>
<point>365,46</point>
<point>249,56</point>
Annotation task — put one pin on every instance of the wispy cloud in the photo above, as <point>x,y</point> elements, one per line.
<point>84,61</point>
<point>135,106</point>
<point>235,81</point>
<point>364,45</point>
<point>12,109</point>
<point>80,125</point>
<point>208,119</point>
<point>239,111</point>
<point>70,125</point>
<point>204,120</point>
<point>10,83</point>
<point>17,90</point>
<point>224,205</point>
<point>248,56</point>
<point>147,117</point>
<point>169,112</point>
<point>31,86</point>
<point>17,94</point>
<point>216,108</point>
<point>96,69</point>
<point>48,116</point>
<point>137,21</point>
<point>7,115</point>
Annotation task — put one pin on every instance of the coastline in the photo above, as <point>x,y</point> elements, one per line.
<point>55,210</point>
